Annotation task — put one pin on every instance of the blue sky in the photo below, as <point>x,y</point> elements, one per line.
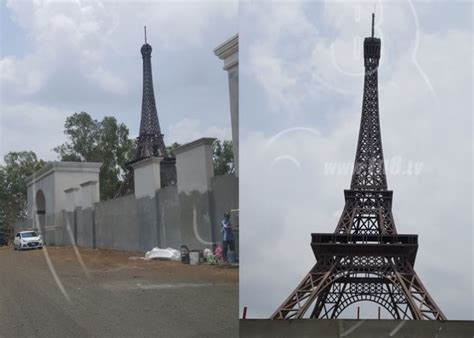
<point>301,73</point>
<point>58,58</point>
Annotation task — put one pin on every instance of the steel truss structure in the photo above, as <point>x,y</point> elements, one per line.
<point>364,259</point>
<point>150,142</point>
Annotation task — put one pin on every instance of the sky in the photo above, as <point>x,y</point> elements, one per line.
<point>62,57</point>
<point>301,67</point>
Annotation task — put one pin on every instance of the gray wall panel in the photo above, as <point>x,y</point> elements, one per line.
<point>167,205</point>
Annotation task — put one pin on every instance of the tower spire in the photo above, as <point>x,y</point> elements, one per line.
<point>150,139</point>
<point>373,23</point>
<point>369,171</point>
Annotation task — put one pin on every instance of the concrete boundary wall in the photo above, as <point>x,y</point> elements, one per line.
<point>327,328</point>
<point>195,219</point>
<point>63,202</point>
<point>225,197</point>
<point>167,207</point>
<point>116,224</point>
<point>85,232</point>
<point>147,223</point>
<point>169,219</point>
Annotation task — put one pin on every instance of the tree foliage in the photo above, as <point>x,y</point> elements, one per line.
<point>223,157</point>
<point>13,197</point>
<point>103,141</point>
<point>170,149</point>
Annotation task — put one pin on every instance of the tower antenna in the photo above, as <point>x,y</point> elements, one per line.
<point>373,23</point>
<point>145,33</point>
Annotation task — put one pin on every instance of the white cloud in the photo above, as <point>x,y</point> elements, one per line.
<point>67,39</point>
<point>108,81</point>
<point>188,130</point>
<point>76,37</point>
<point>196,18</point>
<point>19,77</point>
<point>297,59</point>
<point>28,126</point>
<point>282,81</point>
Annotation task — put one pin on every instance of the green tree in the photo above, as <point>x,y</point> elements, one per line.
<point>103,141</point>
<point>18,166</point>
<point>223,157</point>
<point>170,149</point>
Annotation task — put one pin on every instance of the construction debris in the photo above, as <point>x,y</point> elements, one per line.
<point>163,254</point>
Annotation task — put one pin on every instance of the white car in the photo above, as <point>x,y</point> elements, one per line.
<point>27,240</point>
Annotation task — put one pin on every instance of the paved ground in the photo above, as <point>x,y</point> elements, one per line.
<point>114,297</point>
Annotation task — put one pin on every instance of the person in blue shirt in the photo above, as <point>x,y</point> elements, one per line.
<point>227,236</point>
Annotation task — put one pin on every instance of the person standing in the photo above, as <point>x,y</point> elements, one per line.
<point>227,236</point>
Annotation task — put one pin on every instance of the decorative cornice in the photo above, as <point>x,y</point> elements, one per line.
<point>228,47</point>
<point>194,144</point>
<point>146,161</point>
<point>67,191</point>
<point>228,51</point>
<point>50,167</point>
<point>87,183</point>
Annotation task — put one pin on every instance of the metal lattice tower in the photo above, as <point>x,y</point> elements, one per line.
<point>150,140</point>
<point>364,259</point>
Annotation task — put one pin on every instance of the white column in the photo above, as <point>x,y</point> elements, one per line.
<point>89,194</point>
<point>71,198</point>
<point>229,53</point>
<point>194,166</point>
<point>147,178</point>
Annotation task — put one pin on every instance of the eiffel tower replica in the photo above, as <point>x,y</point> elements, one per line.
<point>365,259</point>
<point>150,141</point>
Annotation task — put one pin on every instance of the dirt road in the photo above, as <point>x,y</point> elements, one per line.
<point>113,296</point>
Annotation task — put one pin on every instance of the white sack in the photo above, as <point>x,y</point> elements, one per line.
<point>166,254</point>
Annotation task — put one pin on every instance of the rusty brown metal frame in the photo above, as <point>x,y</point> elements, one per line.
<point>364,259</point>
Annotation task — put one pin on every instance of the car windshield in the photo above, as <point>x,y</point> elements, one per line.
<point>28,234</point>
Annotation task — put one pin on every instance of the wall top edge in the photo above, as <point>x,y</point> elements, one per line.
<point>194,144</point>
<point>57,166</point>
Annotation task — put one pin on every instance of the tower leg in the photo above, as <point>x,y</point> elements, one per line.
<point>320,303</point>
<point>312,285</point>
<point>419,300</point>
<point>335,284</point>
